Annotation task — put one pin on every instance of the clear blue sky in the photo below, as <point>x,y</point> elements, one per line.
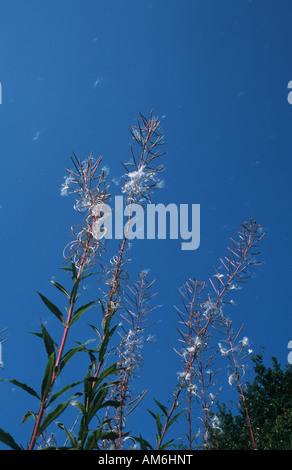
<point>74,77</point>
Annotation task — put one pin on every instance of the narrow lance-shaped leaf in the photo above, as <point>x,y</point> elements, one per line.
<point>144,444</point>
<point>53,415</point>
<point>152,414</point>
<point>49,343</point>
<point>166,445</point>
<point>73,295</point>
<point>52,308</point>
<point>96,330</point>
<point>88,390</point>
<point>61,288</point>
<point>69,435</point>
<point>7,439</point>
<point>112,369</point>
<point>40,335</point>
<point>158,424</point>
<point>162,407</point>
<point>91,442</point>
<point>104,344</point>
<point>65,389</point>
<point>97,402</point>
<point>81,310</point>
<point>173,419</point>
<point>28,414</point>
<point>46,383</point>
<point>69,354</point>
<point>83,428</point>
<point>74,270</point>
<point>25,387</point>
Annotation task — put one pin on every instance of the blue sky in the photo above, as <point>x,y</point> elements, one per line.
<point>74,77</point>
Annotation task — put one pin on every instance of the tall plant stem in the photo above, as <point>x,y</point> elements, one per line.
<point>241,388</point>
<point>122,249</point>
<point>220,295</point>
<point>60,353</point>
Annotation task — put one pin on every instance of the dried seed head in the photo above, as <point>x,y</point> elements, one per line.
<point>90,190</point>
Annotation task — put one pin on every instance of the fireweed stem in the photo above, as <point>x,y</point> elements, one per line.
<point>237,374</point>
<point>220,295</point>
<point>60,353</point>
<point>123,246</point>
<point>126,379</point>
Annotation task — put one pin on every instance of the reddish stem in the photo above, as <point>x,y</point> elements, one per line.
<point>240,388</point>
<point>59,357</point>
<point>249,244</point>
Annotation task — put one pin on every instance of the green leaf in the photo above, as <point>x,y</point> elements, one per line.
<point>107,336</point>
<point>66,268</point>
<point>166,445</point>
<point>46,383</point>
<point>70,436</point>
<point>97,435</point>
<point>81,407</point>
<point>81,310</point>
<point>40,335</point>
<point>97,402</point>
<point>8,440</point>
<point>174,419</point>
<point>53,415</point>
<point>73,295</point>
<point>88,389</point>
<point>69,354</point>
<point>113,403</point>
<point>74,270</point>
<point>111,435</point>
<point>84,276</point>
<point>49,343</point>
<point>144,444</point>
<point>96,330</point>
<point>23,386</point>
<point>102,306</point>
<point>158,424</point>
<point>65,389</point>
<point>162,407</point>
<point>52,308</point>
<point>61,288</point>
<point>91,442</point>
<point>112,369</point>
<point>28,414</point>
<point>83,428</point>
<point>152,414</point>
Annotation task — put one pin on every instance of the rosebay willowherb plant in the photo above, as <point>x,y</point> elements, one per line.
<point>201,320</point>
<point>103,396</point>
